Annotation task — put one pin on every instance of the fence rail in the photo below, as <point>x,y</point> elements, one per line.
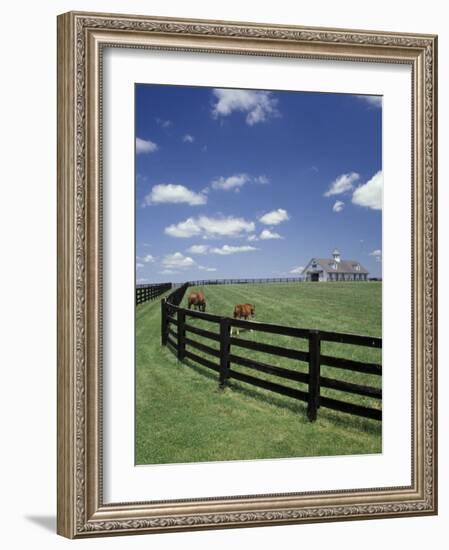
<point>150,292</point>
<point>205,282</point>
<point>223,359</point>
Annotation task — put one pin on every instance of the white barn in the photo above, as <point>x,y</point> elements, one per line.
<point>334,269</point>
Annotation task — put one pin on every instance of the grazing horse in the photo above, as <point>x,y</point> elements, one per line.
<point>197,300</point>
<point>244,311</point>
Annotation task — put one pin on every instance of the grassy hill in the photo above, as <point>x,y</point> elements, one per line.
<point>182,416</point>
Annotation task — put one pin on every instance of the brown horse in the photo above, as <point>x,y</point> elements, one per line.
<point>197,300</point>
<point>244,311</point>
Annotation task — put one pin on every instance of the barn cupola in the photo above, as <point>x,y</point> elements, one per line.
<point>336,256</point>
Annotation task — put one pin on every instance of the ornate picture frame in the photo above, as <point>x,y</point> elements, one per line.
<point>82,38</point>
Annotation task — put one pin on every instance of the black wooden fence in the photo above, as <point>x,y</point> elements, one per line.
<point>150,292</point>
<point>245,281</point>
<point>175,297</point>
<point>174,316</point>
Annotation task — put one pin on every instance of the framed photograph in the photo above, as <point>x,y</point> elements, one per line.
<point>246,274</point>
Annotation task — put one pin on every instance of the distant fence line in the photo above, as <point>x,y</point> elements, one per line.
<point>145,292</point>
<point>245,281</point>
<point>150,292</point>
<point>174,316</point>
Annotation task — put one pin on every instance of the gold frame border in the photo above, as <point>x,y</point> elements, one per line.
<point>81,37</point>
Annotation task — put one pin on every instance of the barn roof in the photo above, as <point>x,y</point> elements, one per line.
<point>343,266</point>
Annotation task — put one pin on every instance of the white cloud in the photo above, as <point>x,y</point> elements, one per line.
<point>226,249</point>
<point>148,259</point>
<point>177,261</point>
<point>259,106</point>
<point>372,100</point>
<point>274,217</point>
<point>236,181</point>
<point>338,206</point>
<point>228,227</point>
<point>377,255</point>
<point>370,193</point>
<point>299,269</point>
<point>342,184</point>
<point>252,238</point>
<point>145,146</point>
<point>185,229</point>
<point>210,227</point>
<point>188,139</point>
<point>198,249</point>
<point>139,266</point>
<point>142,280</point>
<point>267,234</point>
<point>232,182</point>
<point>204,268</point>
<point>164,123</point>
<point>170,193</point>
<point>168,271</point>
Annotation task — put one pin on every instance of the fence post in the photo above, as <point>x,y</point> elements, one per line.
<point>181,335</point>
<point>225,344</point>
<point>164,324</point>
<point>314,374</point>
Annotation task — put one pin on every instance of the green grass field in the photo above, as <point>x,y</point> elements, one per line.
<point>182,415</point>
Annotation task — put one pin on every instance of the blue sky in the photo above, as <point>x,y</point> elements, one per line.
<point>251,183</point>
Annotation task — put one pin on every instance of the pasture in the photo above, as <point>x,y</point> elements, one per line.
<point>182,416</point>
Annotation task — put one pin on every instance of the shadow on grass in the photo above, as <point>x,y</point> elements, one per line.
<point>294,406</point>
<point>345,420</point>
<point>341,420</point>
<point>203,371</point>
